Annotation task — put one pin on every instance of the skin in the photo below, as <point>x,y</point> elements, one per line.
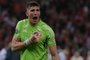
<point>17,45</point>
<point>33,12</point>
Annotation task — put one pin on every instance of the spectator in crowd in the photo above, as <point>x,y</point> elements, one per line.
<point>77,56</point>
<point>64,54</point>
<point>88,55</point>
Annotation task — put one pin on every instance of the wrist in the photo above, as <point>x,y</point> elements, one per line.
<point>27,42</point>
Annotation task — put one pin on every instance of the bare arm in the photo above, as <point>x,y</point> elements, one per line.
<point>54,53</point>
<point>16,44</point>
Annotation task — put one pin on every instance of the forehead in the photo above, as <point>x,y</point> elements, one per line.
<point>33,7</point>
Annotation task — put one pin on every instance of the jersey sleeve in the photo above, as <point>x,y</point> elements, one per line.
<point>17,30</point>
<point>51,37</point>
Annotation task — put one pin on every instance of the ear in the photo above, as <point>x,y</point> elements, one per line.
<point>26,13</point>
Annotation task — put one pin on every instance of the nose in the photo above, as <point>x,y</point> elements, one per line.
<point>35,12</point>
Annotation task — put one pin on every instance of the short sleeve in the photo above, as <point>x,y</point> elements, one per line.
<point>51,38</point>
<point>17,30</point>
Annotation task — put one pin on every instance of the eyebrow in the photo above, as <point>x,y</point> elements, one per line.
<point>32,10</point>
<point>35,9</point>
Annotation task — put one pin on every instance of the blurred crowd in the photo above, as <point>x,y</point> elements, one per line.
<point>68,18</point>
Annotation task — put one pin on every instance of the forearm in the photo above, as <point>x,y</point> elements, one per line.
<point>18,46</point>
<point>55,57</point>
<point>54,53</point>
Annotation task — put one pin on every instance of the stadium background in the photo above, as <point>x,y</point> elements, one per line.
<point>70,20</point>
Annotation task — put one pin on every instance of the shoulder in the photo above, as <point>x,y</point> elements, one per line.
<point>46,27</point>
<point>81,58</point>
<point>22,21</point>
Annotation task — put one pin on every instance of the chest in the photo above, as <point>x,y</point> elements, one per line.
<point>28,31</point>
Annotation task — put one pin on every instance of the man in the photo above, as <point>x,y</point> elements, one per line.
<point>77,56</point>
<point>33,37</point>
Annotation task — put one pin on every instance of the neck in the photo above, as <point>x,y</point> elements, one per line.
<point>34,24</point>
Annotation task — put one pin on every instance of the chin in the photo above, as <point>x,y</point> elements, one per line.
<point>34,23</point>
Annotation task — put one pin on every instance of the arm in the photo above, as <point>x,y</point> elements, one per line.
<point>54,53</point>
<point>16,44</point>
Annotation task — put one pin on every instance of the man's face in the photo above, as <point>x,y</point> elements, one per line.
<point>33,14</point>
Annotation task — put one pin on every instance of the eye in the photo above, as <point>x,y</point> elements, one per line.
<point>32,10</point>
<point>37,10</point>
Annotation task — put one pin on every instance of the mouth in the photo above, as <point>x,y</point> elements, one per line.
<point>35,18</point>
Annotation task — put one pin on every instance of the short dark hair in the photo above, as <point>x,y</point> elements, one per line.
<point>32,3</point>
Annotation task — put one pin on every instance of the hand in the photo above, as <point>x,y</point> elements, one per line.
<point>36,37</point>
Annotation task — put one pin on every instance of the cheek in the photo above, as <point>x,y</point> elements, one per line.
<point>39,13</point>
<point>29,14</point>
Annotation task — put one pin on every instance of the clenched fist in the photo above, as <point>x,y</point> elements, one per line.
<point>36,36</point>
